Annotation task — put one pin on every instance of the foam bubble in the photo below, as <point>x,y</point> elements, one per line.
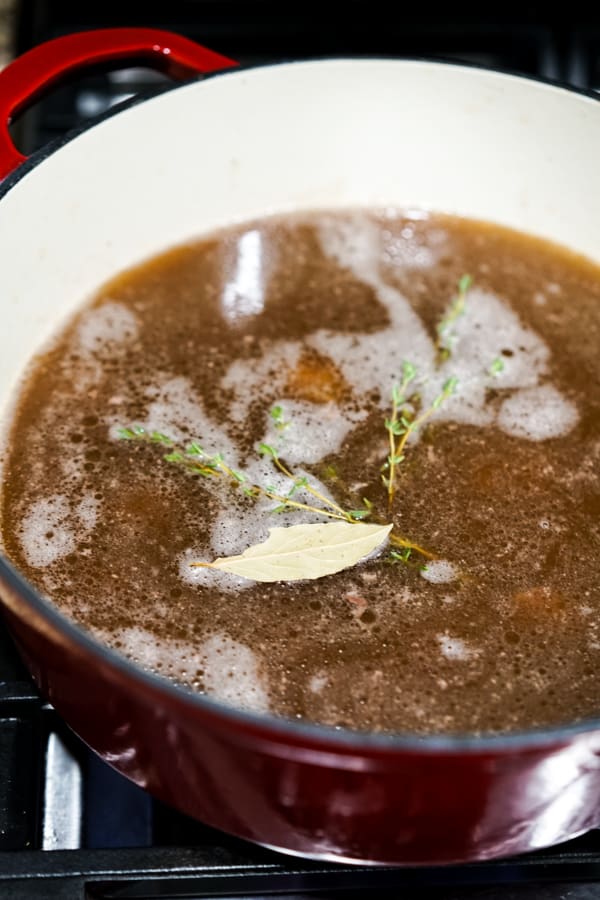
<point>87,511</point>
<point>110,324</point>
<point>439,571</point>
<point>50,528</point>
<point>201,576</point>
<point>455,648</point>
<point>314,430</point>
<point>411,249</point>
<point>371,361</point>
<point>317,682</point>
<point>165,656</point>
<point>488,330</point>
<point>250,377</point>
<point>230,669</point>
<point>231,673</point>
<point>45,533</point>
<point>176,410</point>
<point>537,414</point>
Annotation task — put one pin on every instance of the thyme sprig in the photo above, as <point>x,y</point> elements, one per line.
<point>402,423</point>
<point>196,460</point>
<point>303,482</point>
<point>397,425</point>
<point>496,367</point>
<point>446,337</point>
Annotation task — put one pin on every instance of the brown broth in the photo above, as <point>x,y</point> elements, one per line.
<point>316,313</point>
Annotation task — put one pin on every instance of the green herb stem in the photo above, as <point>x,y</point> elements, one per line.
<point>445,335</point>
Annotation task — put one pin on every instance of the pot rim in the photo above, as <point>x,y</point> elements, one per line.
<point>266,725</point>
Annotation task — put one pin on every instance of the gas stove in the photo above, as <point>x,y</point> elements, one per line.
<point>70,827</point>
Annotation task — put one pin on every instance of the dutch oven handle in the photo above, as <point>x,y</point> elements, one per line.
<point>33,73</point>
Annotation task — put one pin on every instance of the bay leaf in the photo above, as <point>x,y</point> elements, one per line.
<point>304,551</point>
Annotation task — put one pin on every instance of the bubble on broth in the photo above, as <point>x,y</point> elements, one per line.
<point>104,327</point>
<point>455,648</point>
<point>51,527</point>
<point>260,376</point>
<point>411,248</point>
<point>371,361</point>
<point>175,409</point>
<point>439,571</point>
<point>230,670</point>
<point>312,430</point>
<point>87,511</point>
<point>203,576</point>
<point>487,331</point>
<point>232,674</point>
<point>538,414</point>
<point>317,682</point>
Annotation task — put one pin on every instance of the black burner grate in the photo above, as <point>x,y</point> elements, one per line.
<point>69,826</point>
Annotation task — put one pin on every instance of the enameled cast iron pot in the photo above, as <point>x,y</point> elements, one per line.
<point>332,133</point>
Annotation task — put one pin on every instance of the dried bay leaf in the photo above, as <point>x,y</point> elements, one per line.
<point>304,551</point>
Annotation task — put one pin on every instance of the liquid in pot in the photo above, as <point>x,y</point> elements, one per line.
<point>292,332</point>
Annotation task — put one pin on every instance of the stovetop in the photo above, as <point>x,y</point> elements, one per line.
<point>70,827</point>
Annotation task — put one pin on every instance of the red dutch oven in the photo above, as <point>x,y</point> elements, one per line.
<point>335,134</point>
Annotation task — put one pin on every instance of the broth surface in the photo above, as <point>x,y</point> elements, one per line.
<point>314,315</point>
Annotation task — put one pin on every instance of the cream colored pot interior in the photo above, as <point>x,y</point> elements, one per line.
<point>298,136</point>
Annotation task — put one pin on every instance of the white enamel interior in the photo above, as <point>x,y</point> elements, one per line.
<point>299,136</point>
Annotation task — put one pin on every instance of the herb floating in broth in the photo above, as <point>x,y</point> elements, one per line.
<point>402,423</point>
<point>304,552</point>
<point>194,459</point>
<point>446,337</point>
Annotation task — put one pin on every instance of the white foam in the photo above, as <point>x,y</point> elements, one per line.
<point>87,511</point>
<point>51,527</point>
<point>455,648</point>
<point>372,361</point>
<point>538,414</point>
<point>249,378</point>
<point>176,410</point>
<point>487,331</point>
<point>230,669</point>
<point>317,682</point>
<point>202,576</point>
<point>439,571</point>
<point>46,534</point>
<point>166,656</point>
<point>411,249</point>
<point>110,324</point>
<point>314,430</point>
<point>231,673</point>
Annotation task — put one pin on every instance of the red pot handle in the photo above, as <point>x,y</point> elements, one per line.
<point>33,73</point>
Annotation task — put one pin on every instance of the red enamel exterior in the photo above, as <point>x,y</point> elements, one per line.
<point>42,67</point>
<point>304,789</point>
